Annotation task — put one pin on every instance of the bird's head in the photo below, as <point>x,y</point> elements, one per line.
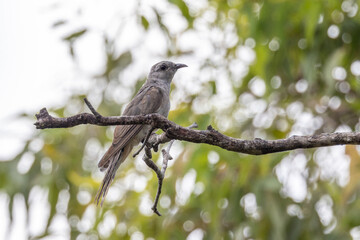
<point>164,70</point>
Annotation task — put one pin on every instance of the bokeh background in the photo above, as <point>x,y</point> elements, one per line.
<point>267,69</point>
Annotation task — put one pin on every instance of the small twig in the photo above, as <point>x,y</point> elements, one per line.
<point>166,157</point>
<point>92,109</point>
<point>194,125</point>
<point>147,159</point>
<point>160,173</point>
<point>154,207</point>
<point>145,142</point>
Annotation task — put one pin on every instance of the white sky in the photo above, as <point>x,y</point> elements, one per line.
<point>33,62</point>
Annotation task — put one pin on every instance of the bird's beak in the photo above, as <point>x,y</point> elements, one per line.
<point>180,65</point>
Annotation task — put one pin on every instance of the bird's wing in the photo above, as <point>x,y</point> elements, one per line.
<point>147,100</point>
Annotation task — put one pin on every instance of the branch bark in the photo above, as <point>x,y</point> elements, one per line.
<point>210,136</point>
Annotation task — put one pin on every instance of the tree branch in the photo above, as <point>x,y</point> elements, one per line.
<point>210,136</point>
<point>173,132</point>
<point>166,158</point>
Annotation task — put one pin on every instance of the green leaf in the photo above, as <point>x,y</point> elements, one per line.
<point>312,9</point>
<point>73,36</point>
<point>144,22</point>
<point>59,23</point>
<point>184,10</point>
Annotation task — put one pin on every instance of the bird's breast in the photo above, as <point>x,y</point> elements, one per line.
<point>164,108</point>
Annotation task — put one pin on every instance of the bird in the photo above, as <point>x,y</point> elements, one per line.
<point>152,97</point>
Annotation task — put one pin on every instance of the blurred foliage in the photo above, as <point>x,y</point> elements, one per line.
<point>289,68</point>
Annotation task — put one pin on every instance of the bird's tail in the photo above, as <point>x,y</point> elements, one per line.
<point>113,165</point>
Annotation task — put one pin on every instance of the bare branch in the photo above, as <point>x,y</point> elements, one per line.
<point>147,159</point>
<point>174,132</point>
<point>166,157</point>
<point>210,136</point>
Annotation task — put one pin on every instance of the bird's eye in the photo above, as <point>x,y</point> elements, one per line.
<point>163,67</point>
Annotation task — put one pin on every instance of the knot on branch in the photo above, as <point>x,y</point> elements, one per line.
<point>42,117</point>
<point>166,154</point>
